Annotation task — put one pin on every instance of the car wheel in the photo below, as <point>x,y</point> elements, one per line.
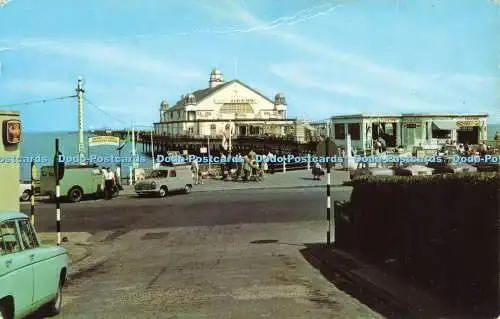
<point>54,306</point>
<point>163,191</point>
<point>187,189</point>
<point>75,194</point>
<point>26,196</point>
<point>4,313</point>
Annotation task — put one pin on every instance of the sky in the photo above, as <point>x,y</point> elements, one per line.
<point>327,57</point>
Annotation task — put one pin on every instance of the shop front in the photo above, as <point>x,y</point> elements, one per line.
<point>468,132</point>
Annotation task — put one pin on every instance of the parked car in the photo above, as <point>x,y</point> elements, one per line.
<point>162,181</point>
<point>25,193</point>
<point>408,169</point>
<point>370,169</point>
<point>31,274</point>
<point>448,166</point>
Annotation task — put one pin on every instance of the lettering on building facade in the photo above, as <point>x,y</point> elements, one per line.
<point>237,100</point>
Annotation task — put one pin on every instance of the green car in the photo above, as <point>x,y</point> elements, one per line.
<point>31,275</point>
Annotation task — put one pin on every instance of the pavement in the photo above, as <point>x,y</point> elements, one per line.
<point>231,254</point>
<point>286,180</point>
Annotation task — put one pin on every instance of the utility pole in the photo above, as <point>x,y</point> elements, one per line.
<point>81,145</point>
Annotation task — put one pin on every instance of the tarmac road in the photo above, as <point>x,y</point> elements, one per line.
<point>234,254</point>
<point>195,209</point>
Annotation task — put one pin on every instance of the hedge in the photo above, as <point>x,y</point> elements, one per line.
<point>441,231</point>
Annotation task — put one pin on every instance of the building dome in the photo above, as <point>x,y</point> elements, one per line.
<point>163,105</point>
<point>279,99</point>
<point>215,71</point>
<point>191,99</point>
<point>216,78</point>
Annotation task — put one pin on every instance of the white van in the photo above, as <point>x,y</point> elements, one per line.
<point>166,180</point>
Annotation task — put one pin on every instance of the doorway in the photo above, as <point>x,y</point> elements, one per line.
<point>469,135</point>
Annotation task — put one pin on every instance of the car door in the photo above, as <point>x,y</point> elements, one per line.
<point>16,269</point>
<point>44,272</point>
<point>174,184</point>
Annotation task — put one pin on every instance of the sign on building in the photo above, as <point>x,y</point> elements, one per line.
<point>104,140</point>
<point>468,123</point>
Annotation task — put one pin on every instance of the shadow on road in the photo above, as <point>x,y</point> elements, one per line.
<point>321,258</point>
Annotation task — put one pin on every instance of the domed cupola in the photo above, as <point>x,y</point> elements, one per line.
<point>280,102</point>
<point>163,106</point>
<point>190,99</point>
<point>279,99</point>
<point>163,110</point>
<point>216,78</point>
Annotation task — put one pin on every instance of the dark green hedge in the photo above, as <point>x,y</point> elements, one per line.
<point>441,231</point>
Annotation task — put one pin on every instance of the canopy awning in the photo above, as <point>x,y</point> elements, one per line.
<point>444,125</point>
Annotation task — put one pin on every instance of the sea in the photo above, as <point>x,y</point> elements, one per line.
<point>41,146</point>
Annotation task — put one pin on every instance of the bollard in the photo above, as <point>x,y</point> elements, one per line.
<point>328,198</point>
<point>284,166</point>
<point>58,195</point>
<point>308,162</point>
<point>33,178</point>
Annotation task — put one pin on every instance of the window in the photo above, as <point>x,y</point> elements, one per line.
<point>236,108</point>
<point>9,240</point>
<point>339,131</point>
<point>28,236</point>
<point>173,173</point>
<point>354,130</point>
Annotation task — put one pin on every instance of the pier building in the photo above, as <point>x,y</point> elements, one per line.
<point>426,130</point>
<point>225,106</point>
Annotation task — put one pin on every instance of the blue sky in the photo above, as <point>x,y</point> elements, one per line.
<point>328,57</point>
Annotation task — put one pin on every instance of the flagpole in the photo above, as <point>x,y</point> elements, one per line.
<point>152,149</point>
<point>208,149</point>
<point>230,137</point>
<point>88,149</point>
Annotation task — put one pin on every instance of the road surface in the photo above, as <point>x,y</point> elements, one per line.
<point>234,254</point>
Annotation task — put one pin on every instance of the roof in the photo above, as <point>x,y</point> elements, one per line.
<point>405,115</point>
<point>200,95</point>
<point>9,113</point>
<point>11,215</point>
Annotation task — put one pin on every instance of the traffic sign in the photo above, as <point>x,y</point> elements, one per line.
<point>60,166</point>
<point>203,150</point>
<point>332,148</point>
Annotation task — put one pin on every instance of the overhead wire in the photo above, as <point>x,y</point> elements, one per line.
<point>104,112</point>
<point>38,101</point>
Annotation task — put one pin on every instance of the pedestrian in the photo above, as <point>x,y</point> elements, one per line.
<point>484,148</point>
<point>247,168</point>
<point>271,160</point>
<point>264,164</point>
<point>195,169</point>
<point>109,182</point>
<point>317,171</point>
<point>117,176</point>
